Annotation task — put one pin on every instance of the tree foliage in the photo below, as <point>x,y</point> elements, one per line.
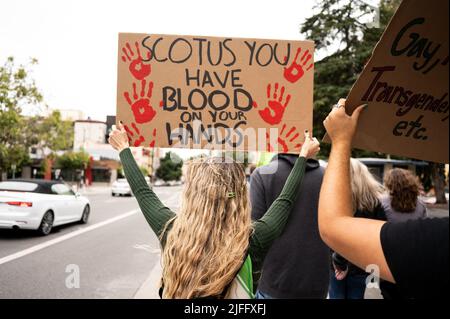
<point>73,160</point>
<point>50,132</point>
<point>170,167</point>
<point>17,90</point>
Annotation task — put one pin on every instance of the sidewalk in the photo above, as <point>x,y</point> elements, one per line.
<point>150,288</point>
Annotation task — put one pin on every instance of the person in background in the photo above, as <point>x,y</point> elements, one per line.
<point>348,281</point>
<point>413,254</point>
<point>401,204</point>
<point>297,264</point>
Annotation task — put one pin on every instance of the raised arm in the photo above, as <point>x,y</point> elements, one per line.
<point>272,224</point>
<point>356,239</point>
<point>155,212</point>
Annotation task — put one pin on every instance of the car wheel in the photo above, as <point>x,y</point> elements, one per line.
<point>85,217</point>
<point>46,224</point>
<point>113,194</point>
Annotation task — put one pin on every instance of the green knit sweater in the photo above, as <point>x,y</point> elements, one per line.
<point>266,229</point>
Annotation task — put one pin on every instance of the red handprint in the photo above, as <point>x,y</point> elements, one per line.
<point>287,142</point>
<point>297,70</point>
<point>137,67</point>
<point>273,114</point>
<point>140,139</point>
<point>140,105</point>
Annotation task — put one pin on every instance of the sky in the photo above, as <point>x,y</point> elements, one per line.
<point>75,42</point>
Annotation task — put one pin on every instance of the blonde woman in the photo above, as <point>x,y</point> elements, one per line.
<point>347,280</point>
<point>212,239</point>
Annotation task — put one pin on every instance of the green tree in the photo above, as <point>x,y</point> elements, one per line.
<point>17,90</point>
<point>170,167</point>
<point>50,132</point>
<point>73,160</point>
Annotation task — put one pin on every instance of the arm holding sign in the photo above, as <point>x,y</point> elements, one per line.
<point>413,254</point>
<point>155,212</point>
<point>361,245</point>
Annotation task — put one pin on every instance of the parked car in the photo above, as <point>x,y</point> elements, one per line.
<point>40,205</point>
<point>121,187</point>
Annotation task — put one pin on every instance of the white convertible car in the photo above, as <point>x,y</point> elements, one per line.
<point>40,205</point>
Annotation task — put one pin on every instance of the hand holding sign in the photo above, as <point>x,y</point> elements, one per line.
<point>137,68</point>
<point>118,138</point>
<point>340,127</point>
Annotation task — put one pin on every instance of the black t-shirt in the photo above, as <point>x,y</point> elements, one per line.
<point>417,252</point>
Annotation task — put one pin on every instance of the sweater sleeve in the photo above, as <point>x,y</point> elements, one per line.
<point>272,224</point>
<point>155,212</point>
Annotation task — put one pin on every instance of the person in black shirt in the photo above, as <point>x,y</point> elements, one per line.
<point>412,254</point>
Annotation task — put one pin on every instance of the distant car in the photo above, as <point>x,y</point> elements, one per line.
<point>121,187</point>
<point>40,205</point>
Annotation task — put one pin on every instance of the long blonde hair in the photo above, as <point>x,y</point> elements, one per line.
<point>366,190</point>
<point>209,238</point>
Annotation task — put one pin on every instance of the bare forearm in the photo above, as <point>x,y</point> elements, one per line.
<point>335,195</point>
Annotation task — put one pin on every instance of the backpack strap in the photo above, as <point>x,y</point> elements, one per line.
<point>245,277</point>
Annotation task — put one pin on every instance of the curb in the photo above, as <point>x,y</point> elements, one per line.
<point>150,288</point>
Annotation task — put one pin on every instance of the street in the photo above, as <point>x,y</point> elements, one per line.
<point>115,253</point>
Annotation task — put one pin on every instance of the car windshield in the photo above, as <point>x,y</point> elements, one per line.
<point>18,186</point>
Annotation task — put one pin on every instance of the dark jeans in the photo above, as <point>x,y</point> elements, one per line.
<point>351,287</point>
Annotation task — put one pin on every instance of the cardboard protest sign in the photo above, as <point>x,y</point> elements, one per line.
<point>219,93</point>
<point>405,84</point>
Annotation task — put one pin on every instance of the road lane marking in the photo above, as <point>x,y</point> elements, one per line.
<point>55,241</point>
<point>147,248</point>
